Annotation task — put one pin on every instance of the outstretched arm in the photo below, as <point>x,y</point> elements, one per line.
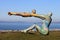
<point>23,14</point>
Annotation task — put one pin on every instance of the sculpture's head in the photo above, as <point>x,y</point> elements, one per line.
<point>34,11</point>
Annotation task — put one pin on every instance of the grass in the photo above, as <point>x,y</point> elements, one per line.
<point>53,35</point>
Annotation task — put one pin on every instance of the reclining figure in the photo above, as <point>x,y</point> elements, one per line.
<point>45,18</point>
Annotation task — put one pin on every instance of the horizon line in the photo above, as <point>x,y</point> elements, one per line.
<point>27,21</point>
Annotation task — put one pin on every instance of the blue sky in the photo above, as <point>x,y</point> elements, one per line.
<point>41,6</point>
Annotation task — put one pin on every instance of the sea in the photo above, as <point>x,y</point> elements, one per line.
<point>24,25</point>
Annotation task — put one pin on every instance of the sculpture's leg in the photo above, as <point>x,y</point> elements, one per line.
<point>30,28</point>
<point>44,29</point>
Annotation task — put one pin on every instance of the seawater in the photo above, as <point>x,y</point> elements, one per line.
<point>24,25</point>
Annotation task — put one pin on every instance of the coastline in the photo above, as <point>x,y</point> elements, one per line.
<point>20,30</point>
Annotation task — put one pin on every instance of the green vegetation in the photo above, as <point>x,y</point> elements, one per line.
<point>53,35</point>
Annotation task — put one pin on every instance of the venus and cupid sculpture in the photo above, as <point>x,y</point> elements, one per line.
<point>45,18</point>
